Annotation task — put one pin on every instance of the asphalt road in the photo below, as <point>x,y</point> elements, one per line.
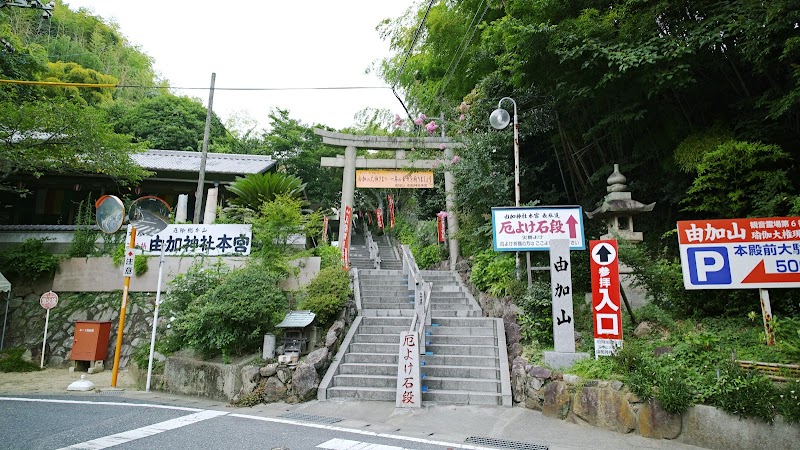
<point>67,422</point>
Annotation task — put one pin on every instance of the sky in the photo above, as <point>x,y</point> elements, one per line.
<point>264,44</point>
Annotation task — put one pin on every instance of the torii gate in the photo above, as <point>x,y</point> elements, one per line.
<point>350,163</point>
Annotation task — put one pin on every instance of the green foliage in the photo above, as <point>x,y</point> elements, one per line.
<point>594,369</point>
<point>745,394</point>
<point>84,237</point>
<point>326,294</point>
<point>281,220</point>
<point>788,401</point>
<point>536,319</point>
<point>199,279</point>
<point>430,255</point>
<point>255,189</point>
<point>787,336</point>
<point>493,272</point>
<point>140,265</point>
<point>330,256</point>
<point>232,317</point>
<point>28,260</point>
<point>741,179</point>
<point>657,378</point>
<point>11,361</point>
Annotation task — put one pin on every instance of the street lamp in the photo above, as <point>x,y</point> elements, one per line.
<point>500,119</point>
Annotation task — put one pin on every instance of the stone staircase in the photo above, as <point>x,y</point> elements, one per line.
<point>389,257</point>
<point>359,252</point>
<point>465,361</point>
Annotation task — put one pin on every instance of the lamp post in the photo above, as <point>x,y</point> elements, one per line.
<point>499,119</point>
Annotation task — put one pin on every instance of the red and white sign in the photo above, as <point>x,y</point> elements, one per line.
<point>48,300</point>
<point>740,253</point>
<point>532,228</point>
<point>409,391</point>
<point>606,304</point>
<point>348,215</point>
<point>325,229</point>
<point>440,225</point>
<point>391,212</point>
<point>379,216</point>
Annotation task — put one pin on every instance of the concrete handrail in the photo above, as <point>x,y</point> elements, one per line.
<point>422,296</point>
<point>372,246</point>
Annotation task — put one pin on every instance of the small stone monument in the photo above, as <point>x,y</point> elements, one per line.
<point>617,210</point>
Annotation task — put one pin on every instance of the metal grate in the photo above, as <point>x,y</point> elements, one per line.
<point>502,443</point>
<point>310,418</point>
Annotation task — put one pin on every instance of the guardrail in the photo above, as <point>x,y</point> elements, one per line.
<point>412,343</point>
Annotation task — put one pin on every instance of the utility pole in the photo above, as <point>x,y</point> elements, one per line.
<point>198,204</point>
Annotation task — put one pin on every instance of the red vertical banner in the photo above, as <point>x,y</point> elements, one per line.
<point>440,225</point>
<point>606,304</point>
<point>379,217</point>
<point>391,211</point>
<point>325,229</point>
<point>369,217</point>
<point>348,215</point>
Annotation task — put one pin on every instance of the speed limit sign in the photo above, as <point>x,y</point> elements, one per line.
<point>48,300</point>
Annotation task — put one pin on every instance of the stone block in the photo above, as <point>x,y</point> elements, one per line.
<point>305,381</point>
<point>274,390</point>
<point>557,400</point>
<point>656,423</point>
<point>250,378</point>
<point>605,408</point>
<point>269,370</point>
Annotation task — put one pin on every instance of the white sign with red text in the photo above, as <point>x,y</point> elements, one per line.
<point>606,304</point>
<point>532,228</point>
<point>409,391</point>
<point>740,253</point>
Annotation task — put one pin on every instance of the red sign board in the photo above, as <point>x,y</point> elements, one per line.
<point>606,304</point>
<point>379,216</point>
<point>48,300</point>
<point>440,225</point>
<point>391,212</point>
<point>348,214</point>
<point>325,229</point>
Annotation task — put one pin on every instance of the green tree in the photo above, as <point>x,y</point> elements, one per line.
<point>254,189</point>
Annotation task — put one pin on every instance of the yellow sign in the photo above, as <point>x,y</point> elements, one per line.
<point>394,179</point>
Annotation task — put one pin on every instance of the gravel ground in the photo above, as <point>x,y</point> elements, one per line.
<point>55,381</point>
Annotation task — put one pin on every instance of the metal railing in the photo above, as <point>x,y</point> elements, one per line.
<point>422,296</point>
<point>372,246</point>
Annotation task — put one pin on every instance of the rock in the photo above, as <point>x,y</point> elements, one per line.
<point>331,339</point>
<point>540,372</point>
<point>643,329</point>
<point>518,383</point>
<point>268,370</point>
<point>516,350</point>
<point>605,408</point>
<point>578,339</point>
<point>656,423</point>
<point>318,358</point>
<point>250,377</point>
<point>337,328</point>
<point>535,383</point>
<point>615,385</point>
<point>572,379</point>
<point>658,351</point>
<point>136,342</point>
<point>557,400</point>
<point>274,390</point>
<point>305,381</point>
<point>159,357</point>
<point>284,375</point>
<point>519,361</point>
<point>27,355</point>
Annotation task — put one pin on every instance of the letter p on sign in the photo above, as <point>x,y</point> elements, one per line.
<point>709,265</point>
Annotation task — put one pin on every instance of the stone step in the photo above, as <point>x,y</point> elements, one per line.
<point>379,303</point>
<point>461,384</point>
<point>369,369</point>
<point>374,281</point>
<point>461,349</point>
<point>371,358</point>
<point>453,313</point>
<point>488,373</point>
<point>397,291</point>
<point>363,380</point>
<point>465,322</point>
<point>462,331</point>
<point>361,347</point>
<point>404,313</point>
<point>393,330</point>
<point>446,294</point>
<point>447,300</point>
<point>459,360</point>
<point>459,339</point>
<point>377,338</point>
<point>454,306</point>
<point>360,393</point>
<point>386,321</point>
<point>461,397</point>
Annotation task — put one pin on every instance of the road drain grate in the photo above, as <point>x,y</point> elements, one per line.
<point>502,443</point>
<point>310,418</point>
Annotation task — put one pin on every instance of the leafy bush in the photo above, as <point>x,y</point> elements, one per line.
<point>787,336</point>
<point>330,256</point>
<point>326,294</point>
<point>11,361</point>
<point>29,260</point>
<point>493,272</point>
<point>658,379</point>
<point>536,319</point>
<point>84,238</point>
<point>232,317</point>
<point>746,394</point>
<point>788,401</point>
<point>429,256</point>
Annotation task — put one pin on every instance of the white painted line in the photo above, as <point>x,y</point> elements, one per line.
<point>344,444</point>
<point>150,430</point>
<point>363,432</point>
<point>87,402</point>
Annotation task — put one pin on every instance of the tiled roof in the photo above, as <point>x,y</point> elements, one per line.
<point>179,161</point>
<point>297,319</point>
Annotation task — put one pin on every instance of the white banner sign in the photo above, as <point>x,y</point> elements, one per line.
<point>532,228</point>
<point>187,239</point>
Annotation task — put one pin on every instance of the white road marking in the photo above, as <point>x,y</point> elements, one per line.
<point>344,444</point>
<point>150,430</point>
<point>86,402</point>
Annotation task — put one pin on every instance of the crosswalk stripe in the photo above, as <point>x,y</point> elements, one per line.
<point>150,430</point>
<point>345,444</point>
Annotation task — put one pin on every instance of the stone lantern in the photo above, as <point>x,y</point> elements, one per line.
<point>618,209</point>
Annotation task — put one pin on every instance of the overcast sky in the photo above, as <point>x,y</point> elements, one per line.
<point>264,44</point>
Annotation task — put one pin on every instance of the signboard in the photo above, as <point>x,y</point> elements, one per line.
<point>740,253</point>
<point>606,304</point>
<point>440,225</point>
<point>48,300</point>
<point>325,229</point>
<point>379,216</point>
<point>397,179</point>
<point>532,228</point>
<point>127,264</point>
<point>188,240</point>
<point>561,288</point>
<point>409,392</point>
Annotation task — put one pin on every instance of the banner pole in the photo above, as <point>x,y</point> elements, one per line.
<point>122,310</point>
